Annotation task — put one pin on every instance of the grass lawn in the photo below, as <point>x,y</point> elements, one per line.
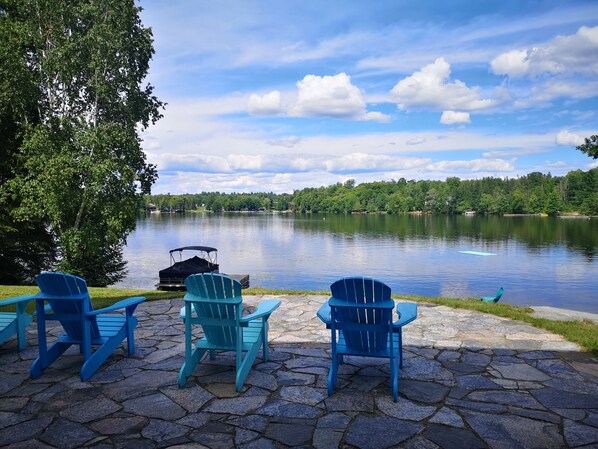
<point>584,333</point>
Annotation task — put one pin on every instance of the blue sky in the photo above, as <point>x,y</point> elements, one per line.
<point>283,95</point>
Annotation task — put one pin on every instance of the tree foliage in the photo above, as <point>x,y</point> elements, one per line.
<point>590,147</point>
<point>73,101</point>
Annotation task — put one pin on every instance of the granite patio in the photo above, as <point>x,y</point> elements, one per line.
<point>469,380</point>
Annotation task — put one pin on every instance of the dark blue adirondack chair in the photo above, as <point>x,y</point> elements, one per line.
<point>12,323</point>
<point>495,298</point>
<point>214,301</point>
<point>69,303</point>
<point>360,317</point>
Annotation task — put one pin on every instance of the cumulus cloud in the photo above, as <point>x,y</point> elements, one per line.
<point>318,96</point>
<point>430,88</point>
<point>574,53</point>
<point>454,118</point>
<point>513,63</point>
<point>331,96</point>
<point>568,139</point>
<point>374,116</point>
<point>268,104</point>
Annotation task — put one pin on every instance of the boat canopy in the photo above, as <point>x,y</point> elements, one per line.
<point>211,253</point>
<point>207,249</point>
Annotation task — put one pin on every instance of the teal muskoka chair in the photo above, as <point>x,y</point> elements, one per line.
<point>12,323</point>
<point>214,301</point>
<point>360,317</point>
<point>69,303</point>
<point>495,298</point>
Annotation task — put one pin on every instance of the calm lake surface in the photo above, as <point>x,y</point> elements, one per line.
<point>538,261</point>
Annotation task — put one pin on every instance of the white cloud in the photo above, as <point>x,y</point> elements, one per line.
<point>268,104</point>
<point>557,164</point>
<point>454,118</point>
<point>430,89</point>
<point>415,141</point>
<point>577,53</point>
<point>375,116</point>
<point>356,162</point>
<point>318,96</point>
<point>475,165</point>
<point>542,93</point>
<point>513,63</point>
<point>288,142</point>
<point>331,96</point>
<point>513,153</point>
<point>568,139</point>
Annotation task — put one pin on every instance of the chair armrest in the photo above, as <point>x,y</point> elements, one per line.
<point>124,304</point>
<point>47,309</point>
<point>17,299</point>
<point>335,302</point>
<point>407,312</point>
<point>264,309</point>
<point>190,297</point>
<point>324,313</point>
<point>183,313</point>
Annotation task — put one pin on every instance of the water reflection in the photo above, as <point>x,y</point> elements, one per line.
<point>535,232</point>
<point>546,261</point>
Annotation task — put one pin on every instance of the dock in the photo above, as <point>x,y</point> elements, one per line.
<point>242,278</point>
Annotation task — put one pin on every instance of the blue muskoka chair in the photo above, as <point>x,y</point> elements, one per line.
<point>495,298</point>
<point>214,301</point>
<point>69,303</point>
<point>12,323</point>
<point>360,317</point>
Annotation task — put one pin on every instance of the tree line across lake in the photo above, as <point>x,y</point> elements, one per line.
<point>534,193</point>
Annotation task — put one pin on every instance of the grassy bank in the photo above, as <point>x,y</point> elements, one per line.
<point>584,333</point>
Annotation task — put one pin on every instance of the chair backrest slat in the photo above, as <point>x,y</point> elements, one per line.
<point>216,297</point>
<point>69,299</point>
<point>357,293</point>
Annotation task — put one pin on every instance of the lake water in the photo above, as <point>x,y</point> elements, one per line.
<point>538,261</point>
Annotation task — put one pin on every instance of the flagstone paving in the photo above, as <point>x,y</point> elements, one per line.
<point>469,380</point>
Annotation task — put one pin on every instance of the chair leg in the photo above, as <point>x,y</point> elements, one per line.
<point>245,366</point>
<point>189,365</point>
<point>50,355</point>
<point>332,375</point>
<point>23,320</point>
<point>400,347</point>
<point>130,326</point>
<point>394,378</point>
<point>264,332</point>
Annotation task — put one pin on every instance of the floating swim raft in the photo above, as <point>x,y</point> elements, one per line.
<point>478,253</point>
